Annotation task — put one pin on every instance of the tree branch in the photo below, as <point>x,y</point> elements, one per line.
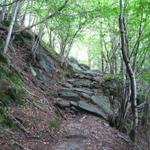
<point>8,4</point>
<point>44,19</point>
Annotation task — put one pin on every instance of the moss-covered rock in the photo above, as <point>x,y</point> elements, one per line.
<point>112,85</point>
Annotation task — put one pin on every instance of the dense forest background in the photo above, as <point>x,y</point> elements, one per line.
<point>65,25</point>
<point>111,36</point>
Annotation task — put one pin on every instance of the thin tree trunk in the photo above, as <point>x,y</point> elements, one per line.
<point>71,42</point>
<point>124,48</point>
<point>25,12</point>
<point>11,26</point>
<point>102,61</point>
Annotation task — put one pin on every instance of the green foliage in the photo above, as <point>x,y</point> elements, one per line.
<point>4,59</point>
<point>132,135</point>
<point>112,77</point>
<point>17,95</point>
<point>6,22</point>
<point>145,76</point>
<point>5,121</point>
<point>5,100</point>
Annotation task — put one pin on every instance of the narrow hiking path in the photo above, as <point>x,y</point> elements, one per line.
<point>86,132</point>
<point>87,110</point>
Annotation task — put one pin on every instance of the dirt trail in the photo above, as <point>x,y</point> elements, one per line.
<point>86,132</point>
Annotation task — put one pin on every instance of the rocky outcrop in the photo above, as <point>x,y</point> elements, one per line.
<point>79,92</point>
<point>113,86</point>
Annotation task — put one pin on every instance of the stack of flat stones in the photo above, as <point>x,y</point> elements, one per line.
<point>82,92</point>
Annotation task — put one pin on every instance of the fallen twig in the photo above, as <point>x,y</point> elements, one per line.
<point>20,126</point>
<point>20,145</point>
<point>123,138</point>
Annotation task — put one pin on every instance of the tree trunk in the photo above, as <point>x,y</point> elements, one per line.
<point>25,12</point>
<point>11,26</point>
<point>124,48</point>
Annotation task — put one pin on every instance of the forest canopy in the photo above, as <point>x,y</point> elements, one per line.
<point>74,25</point>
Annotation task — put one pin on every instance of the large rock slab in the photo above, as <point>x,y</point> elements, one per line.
<point>63,104</point>
<point>85,82</point>
<point>44,61</point>
<point>112,86</point>
<point>81,83</point>
<point>103,102</point>
<point>82,90</point>
<point>69,95</point>
<point>84,67</point>
<point>85,96</point>
<point>77,90</point>
<point>93,73</point>
<point>90,108</point>
<point>44,77</point>
<point>81,75</point>
<point>73,63</point>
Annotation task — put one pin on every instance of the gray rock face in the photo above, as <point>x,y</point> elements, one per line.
<point>112,86</point>
<point>45,62</point>
<point>85,96</point>
<point>33,71</point>
<point>63,104</point>
<point>81,83</point>
<point>76,67</point>
<point>69,95</point>
<point>93,73</point>
<point>83,89</point>
<point>103,102</point>
<point>82,76</point>
<point>77,90</point>
<point>90,108</point>
<point>73,63</point>
<point>43,77</point>
<point>84,67</point>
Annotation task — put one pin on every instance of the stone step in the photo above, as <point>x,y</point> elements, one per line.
<point>69,95</point>
<point>89,108</point>
<point>79,83</point>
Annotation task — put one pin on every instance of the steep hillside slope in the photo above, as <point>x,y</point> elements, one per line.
<point>42,109</point>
